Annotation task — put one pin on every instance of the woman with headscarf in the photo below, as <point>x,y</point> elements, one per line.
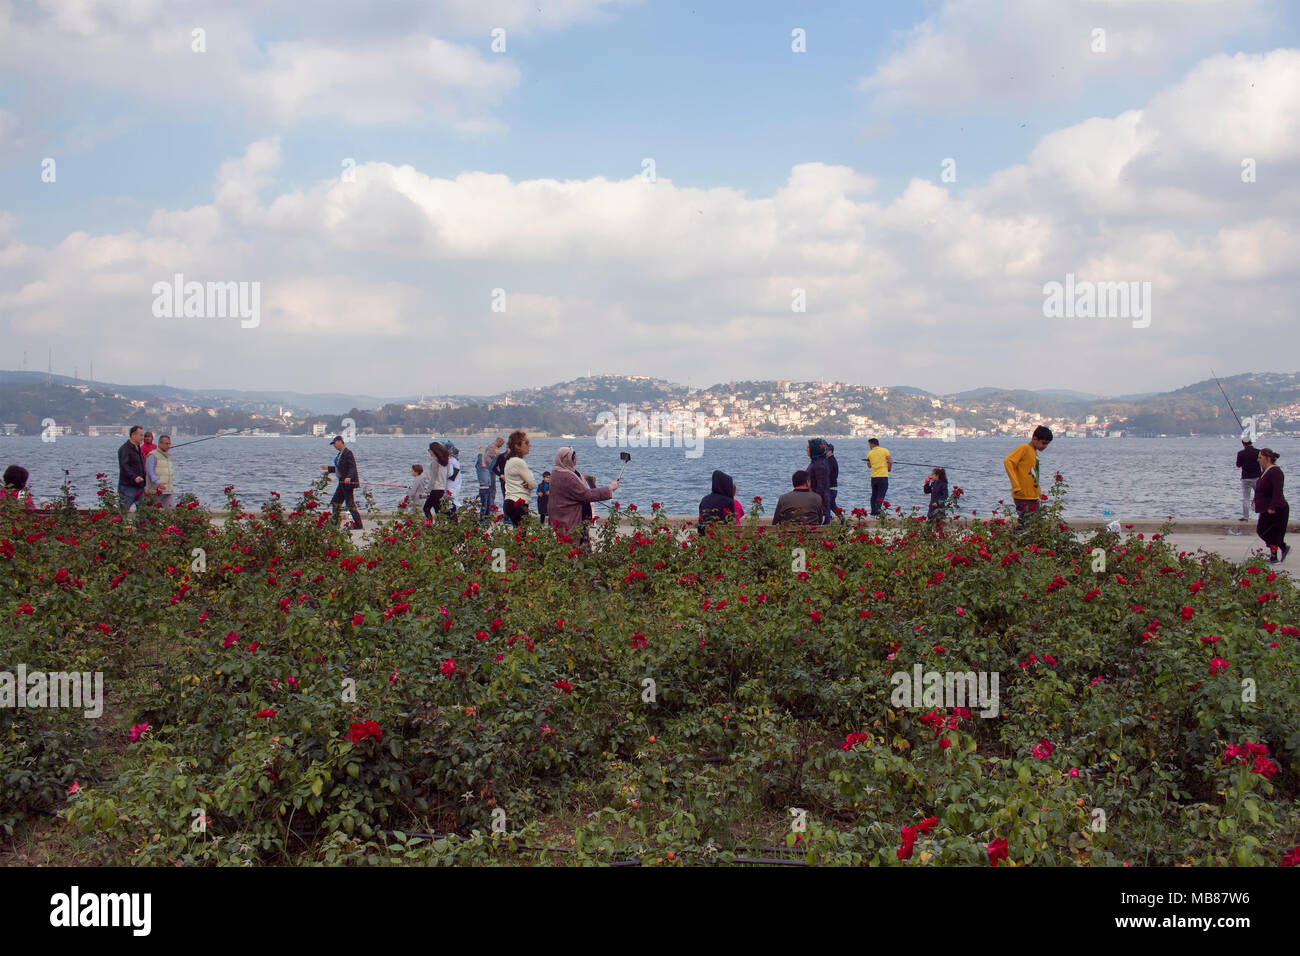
<point>819,475</point>
<point>569,491</point>
<point>1273,509</point>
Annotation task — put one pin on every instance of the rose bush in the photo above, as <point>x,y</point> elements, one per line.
<point>659,696</point>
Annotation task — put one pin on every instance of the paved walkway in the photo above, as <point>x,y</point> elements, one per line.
<point>1234,541</point>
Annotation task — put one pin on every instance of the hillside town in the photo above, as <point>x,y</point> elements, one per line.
<point>1270,402</point>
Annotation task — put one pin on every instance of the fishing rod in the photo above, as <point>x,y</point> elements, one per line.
<point>1225,398</point>
<point>197,440</point>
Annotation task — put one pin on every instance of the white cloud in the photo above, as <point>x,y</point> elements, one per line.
<point>404,61</point>
<point>1008,51</point>
<point>389,278</point>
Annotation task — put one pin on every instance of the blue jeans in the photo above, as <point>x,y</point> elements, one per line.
<point>879,486</point>
<point>129,496</point>
<point>486,498</point>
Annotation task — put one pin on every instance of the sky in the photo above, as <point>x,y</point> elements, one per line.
<point>469,196</point>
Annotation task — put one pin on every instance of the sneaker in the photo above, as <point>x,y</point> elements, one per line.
<point>1286,549</point>
<point>1243,519</point>
<point>1272,558</point>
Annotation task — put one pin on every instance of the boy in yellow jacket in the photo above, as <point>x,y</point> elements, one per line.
<point>1022,469</point>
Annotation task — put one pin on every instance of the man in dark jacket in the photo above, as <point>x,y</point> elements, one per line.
<point>345,468</point>
<point>720,504</point>
<point>834,467</point>
<point>819,475</point>
<point>1248,462</point>
<point>799,506</point>
<point>130,469</point>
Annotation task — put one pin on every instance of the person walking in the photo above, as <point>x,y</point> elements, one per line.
<point>881,463</point>
<point>800,505</point>
<point>487,489</point>
<point>518,479</point>
<point>936,486</point>
<point>1248,462</point>
<point>1272,507</point>
<point>438,471</point>
<point>1022,468</point>
<point>819,475</point>
<point>719,504</point>
<point>833,467</point>
<point>345,469</point>
<point>158,471</point>
<point>130,469</point>
<point>570,491</point>
<point>148,445</point>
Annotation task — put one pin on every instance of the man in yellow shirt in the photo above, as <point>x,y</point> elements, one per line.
<point>882,463</point>
<point>1022,469</point>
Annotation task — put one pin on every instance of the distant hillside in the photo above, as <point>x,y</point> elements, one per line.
<point>325,403</point>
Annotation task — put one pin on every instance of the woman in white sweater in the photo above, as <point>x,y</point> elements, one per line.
<point>519,479</point>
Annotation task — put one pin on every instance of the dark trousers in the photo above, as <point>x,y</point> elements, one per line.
<point>1272,527</point>
<point>1026,507</point>
<point>515,511</point>
<point>343,495</point>
<point>434,503</point>
<point>879,486</point>
<point>829,511</point>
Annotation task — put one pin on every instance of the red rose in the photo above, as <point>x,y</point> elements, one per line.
<point>997,850</point>
<point>268,712</point>
<point>904,852</point>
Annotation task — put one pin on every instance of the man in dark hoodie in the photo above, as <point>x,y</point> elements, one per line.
<point>720,504</point>
<point>819,475</point>
<point>834,468</point>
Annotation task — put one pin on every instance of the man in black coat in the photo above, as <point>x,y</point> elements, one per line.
<point>345,468</point>
<point>130,469</point>
<point>1248,462</point>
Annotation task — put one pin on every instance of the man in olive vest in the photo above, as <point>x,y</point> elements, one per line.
<point>158,467</point>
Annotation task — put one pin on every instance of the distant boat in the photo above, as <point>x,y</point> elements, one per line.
<point>568,436</point>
